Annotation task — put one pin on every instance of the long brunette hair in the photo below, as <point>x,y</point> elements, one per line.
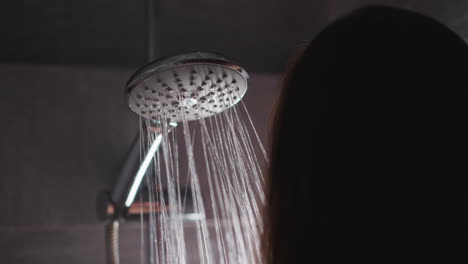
<point>373,109</point>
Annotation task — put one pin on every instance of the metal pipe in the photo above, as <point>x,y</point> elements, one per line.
<point>152,30</point>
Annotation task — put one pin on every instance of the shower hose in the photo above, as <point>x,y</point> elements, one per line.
<point>112,242</point>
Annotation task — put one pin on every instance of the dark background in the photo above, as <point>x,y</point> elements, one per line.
<point>65,127</point>
<point>261,34</point>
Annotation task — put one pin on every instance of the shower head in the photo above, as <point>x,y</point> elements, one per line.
<point>186,87</point>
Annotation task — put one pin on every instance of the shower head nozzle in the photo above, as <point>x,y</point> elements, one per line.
<point>186,87</point>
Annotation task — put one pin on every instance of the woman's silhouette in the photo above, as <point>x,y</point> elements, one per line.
<point>369,149</point>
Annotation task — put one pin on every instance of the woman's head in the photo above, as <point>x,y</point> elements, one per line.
<point>372,110</point>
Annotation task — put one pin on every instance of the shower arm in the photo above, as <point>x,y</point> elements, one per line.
<point>125,179</point>
<point>134,169</point>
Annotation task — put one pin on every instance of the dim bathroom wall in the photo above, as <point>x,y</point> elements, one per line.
<point>64,135</point>
<point>64,132</point>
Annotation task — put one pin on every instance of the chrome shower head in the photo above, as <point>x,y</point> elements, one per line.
<point>186,87</point>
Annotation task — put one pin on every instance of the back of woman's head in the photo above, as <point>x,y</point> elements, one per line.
<point>368,151</point>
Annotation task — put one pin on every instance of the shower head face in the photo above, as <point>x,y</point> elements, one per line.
<point>186,87</point>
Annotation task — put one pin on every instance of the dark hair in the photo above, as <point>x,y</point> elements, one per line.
<point>369,143</point>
